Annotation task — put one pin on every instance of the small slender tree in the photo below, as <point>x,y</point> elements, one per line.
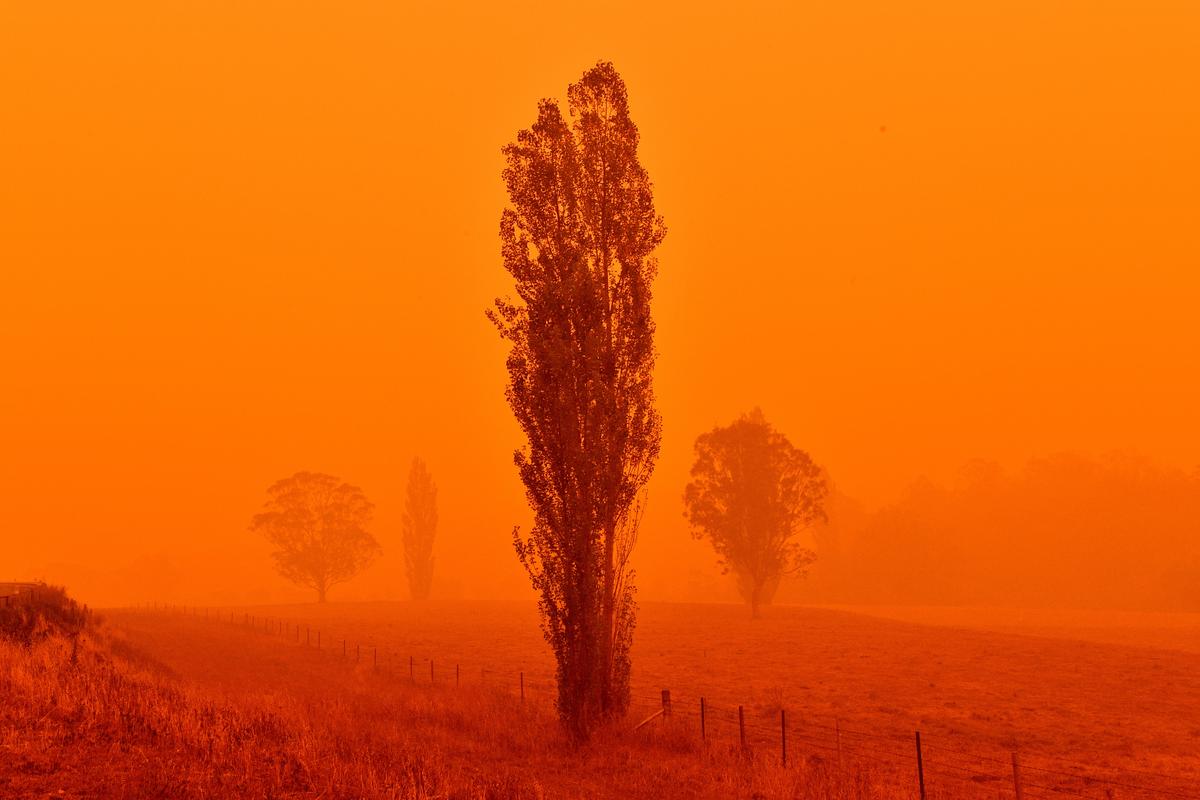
<point>419,525</point>
<point>578,239</point>
<point>751,494</point>
<point>318,525</point>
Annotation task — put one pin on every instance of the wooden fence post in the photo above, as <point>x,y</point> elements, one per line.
<point>742,727</point>
<point>1017,776</point>
<point>522,687</point>
<point>666,702</point>
<point>920,767</point>
<point>703,732</point>
<point>783,736</point>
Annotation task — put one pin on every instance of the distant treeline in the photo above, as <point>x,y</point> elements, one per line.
<point>1068,530</point>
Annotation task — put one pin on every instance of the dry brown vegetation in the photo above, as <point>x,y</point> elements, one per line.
<point>117,723</point>
<point>174,705</point>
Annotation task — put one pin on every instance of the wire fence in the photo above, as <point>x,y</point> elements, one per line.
<point>934,771</point>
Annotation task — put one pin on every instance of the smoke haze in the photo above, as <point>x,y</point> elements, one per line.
<point>238,243</point>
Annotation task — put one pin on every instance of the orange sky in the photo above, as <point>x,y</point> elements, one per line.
<point>238,242</point>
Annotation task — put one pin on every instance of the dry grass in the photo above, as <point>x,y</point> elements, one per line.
<point>116,723</point>
<point>179,706</point>
<point>1121,710</point>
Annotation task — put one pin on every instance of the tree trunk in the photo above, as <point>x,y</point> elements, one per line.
<point>321,594</point>
<point>609,617</point>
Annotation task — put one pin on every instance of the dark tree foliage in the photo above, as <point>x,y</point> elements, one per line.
<point>318,525</point>
<point>751,493</point>
<point>578,239</point>
<point>419,525</point>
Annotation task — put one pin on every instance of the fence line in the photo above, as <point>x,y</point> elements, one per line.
<point>879,749</point>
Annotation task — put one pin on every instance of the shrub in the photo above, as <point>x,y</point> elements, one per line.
<point>43,611</point>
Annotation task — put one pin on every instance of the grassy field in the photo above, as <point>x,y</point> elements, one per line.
<point>158,704</point>
<point>1068,700</point>
<point>106,719</point>
<point>1147,629</point>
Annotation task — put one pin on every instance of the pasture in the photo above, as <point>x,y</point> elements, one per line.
<point>1077,697</point>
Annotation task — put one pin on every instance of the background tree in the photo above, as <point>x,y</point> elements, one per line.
<point>578,240</point>
<point>318,525</point>
<point>419,525</point>
<point>751,493</point>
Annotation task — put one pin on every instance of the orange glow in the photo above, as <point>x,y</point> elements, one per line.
<point>243,240</point>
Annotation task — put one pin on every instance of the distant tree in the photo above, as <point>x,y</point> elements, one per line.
<point>578,239</point>
<point>318,525</point>
<point>751,493</point>
<point>420,526</point>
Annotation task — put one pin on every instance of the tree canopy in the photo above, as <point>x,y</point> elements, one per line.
<point>318,525</point>
<point>751,493</point>
<point>578,239</point>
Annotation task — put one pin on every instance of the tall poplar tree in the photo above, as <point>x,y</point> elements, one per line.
<point>419,527</point>
<point>578,239</point>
